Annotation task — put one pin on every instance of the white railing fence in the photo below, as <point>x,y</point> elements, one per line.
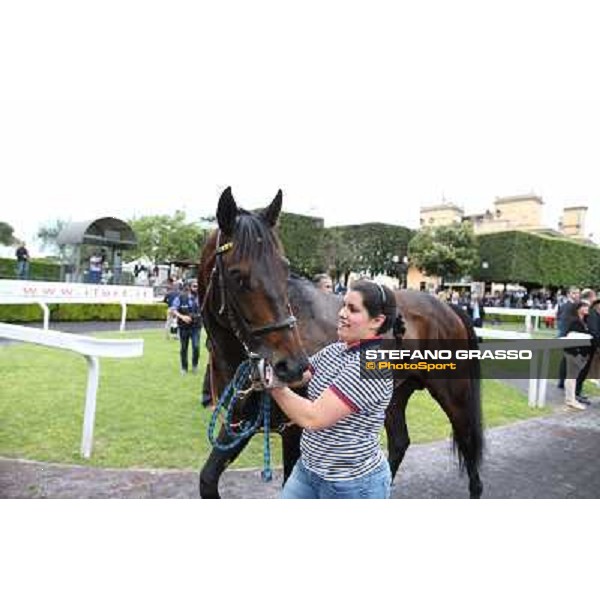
<point>17,291</point>
<point>540,362</point>
<point>92,349</point>
<point>531,315</point>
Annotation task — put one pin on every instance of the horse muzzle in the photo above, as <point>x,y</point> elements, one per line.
<point>290,370</point>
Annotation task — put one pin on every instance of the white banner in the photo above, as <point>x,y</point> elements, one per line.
<point>20,291</point>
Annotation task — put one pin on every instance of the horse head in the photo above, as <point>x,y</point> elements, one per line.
<point>245,277</point>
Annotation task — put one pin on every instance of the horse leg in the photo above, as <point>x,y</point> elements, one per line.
<point>455,397</point>
<point>395,424</point>
<point>290,444</point>
<point>216,463</point>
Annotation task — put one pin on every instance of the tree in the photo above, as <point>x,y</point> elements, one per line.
<point>48,234</point>
<point>448,251</point>
<point>6,234</point>
<point>302,240</point>
<point>369,247</point>
<point>163,238</point>
<point>338,254</point>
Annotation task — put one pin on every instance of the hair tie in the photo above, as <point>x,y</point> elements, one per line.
<point>382,292</point>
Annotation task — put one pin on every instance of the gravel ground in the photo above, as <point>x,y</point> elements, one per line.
<point>549,457</point>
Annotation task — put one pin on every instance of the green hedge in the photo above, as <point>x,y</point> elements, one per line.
<point>38,269</point>
<point>302,239</point>
<point>505,318</point>
<point>529,258</point>
<point>25,313</point>
<point>368,246</point>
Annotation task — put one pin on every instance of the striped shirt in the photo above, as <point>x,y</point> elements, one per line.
<point>349,448</point>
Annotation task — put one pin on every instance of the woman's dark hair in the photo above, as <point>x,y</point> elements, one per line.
<point>378,300</point>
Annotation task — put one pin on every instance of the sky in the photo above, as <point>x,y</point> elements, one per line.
<point>358,111</point>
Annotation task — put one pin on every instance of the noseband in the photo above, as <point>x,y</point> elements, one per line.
<point>243,330</point>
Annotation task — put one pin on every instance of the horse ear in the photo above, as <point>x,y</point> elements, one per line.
<point>227,212</point>
<point>271,213</point>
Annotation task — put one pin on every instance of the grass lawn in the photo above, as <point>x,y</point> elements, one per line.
<point>148,415</point>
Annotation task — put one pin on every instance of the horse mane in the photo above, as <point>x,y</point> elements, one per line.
<point>250,229</point>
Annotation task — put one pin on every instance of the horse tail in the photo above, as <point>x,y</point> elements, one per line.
<point>474,442</point>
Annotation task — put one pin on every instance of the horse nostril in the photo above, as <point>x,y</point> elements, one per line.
<point>290,370</point>
<point>281,370</point>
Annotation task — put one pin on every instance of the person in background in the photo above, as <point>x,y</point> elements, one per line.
<point>455,299</point>
<point>593,324</point>
<point>588,296</point>
<point>475,310</point>
<point>173,291</point>
<point>323,282</point>
<point>551,320</point>
<point>340,288</point>
<point>95,271</point>
<point>22,255</point>
<point>186,307</point>
<point>575,358</point>
<point>117,267</point>
<point>562,317</point>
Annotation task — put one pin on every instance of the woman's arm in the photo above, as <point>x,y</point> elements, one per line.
<point>325,411</point>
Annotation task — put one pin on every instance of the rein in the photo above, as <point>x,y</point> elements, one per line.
<point>233,392</point>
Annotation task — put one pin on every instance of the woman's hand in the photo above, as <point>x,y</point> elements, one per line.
<point>263,373</point>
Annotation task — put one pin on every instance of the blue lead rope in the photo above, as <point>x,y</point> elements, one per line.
<point>227,403</point>
<point>266,474</point>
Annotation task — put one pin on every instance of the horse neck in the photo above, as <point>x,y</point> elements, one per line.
<point>316,313</point>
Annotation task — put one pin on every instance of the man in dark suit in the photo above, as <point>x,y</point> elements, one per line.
<point>562,314</point>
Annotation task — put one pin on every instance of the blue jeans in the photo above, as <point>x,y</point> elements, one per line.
<point>303,484</point>
<point>22,269</point>
<point>94,276</point>
<point>185,335</point>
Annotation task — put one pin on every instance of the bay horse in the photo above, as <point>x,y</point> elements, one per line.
<point>253,304</point>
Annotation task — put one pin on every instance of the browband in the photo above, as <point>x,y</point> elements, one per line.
<point>382,292</point>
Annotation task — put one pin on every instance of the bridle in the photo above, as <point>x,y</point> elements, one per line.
<point>245,332</point>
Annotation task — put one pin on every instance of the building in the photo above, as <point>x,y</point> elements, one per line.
<point>445,213</point>
<point>572,223</point>
<point>509,213</point>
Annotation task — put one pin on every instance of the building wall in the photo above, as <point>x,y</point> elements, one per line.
<point>521,212</point>
<point>443,214</point>
<point>414,278</point>
<point>573,221</point>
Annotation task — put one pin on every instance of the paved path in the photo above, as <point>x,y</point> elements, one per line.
<point>548,457</point>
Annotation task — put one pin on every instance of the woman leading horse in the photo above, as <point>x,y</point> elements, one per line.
<point>251,304</point>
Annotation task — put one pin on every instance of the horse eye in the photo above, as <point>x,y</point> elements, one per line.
<point>240,279</point>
